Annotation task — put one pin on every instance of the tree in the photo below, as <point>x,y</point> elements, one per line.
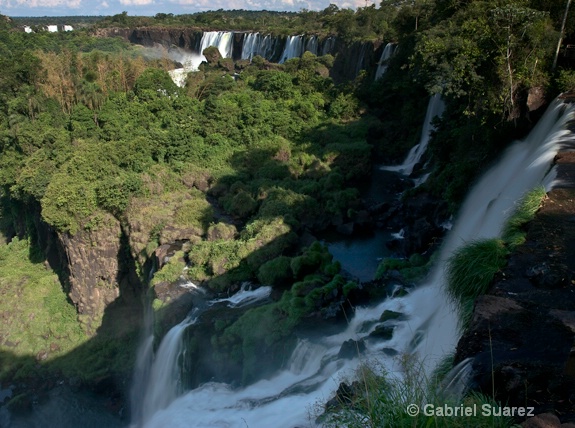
<point>520,43</point>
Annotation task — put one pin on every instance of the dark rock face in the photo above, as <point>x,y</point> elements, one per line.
<point>421,218</point>
<point>523,331</point>
<point>93,263</point>
<point>187,38</point>
<point>350,58</point>
<point>351,348</point>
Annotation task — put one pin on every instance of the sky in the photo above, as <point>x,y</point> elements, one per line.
<point>151,7</point>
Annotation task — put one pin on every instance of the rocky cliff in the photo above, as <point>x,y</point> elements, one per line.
<point>522,333</point>
<point>350,58</point>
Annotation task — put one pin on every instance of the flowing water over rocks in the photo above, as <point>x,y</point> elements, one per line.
<point>428,326</point>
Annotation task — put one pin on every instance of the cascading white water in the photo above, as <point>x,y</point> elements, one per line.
<point>429,331</point>
<point>256,44</point>
<point>223,40</point>
<point>165,375</point>
<point>293,48</point>
<point>328,45</point>
<point>157,378</point>
<point>492,200</point>
<point>311,45</point>
<point>434,108</point>
<point>245,296</point>
<point>383,61</point>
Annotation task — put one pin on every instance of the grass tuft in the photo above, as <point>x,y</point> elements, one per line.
<point>472,267</point>
<point>377,400</point>
<point>513,233</point>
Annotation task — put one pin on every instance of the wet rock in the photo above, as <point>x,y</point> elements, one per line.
<point>382,332</point>
<point>390,315</point>
<point>544,420</point>
<point>390,352</point>
<point>343,396</point>
<point>351,349</point>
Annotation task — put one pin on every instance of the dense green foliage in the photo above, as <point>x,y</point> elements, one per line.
<point>238,166</point>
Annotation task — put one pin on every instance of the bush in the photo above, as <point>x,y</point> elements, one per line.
<point>566,80</point>
<point>276,272</point>
<point>472,267</point>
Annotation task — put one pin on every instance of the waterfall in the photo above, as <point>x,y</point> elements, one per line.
<point>223,40</point>
<point>293,48</point>
<point>383,61</point>
<point>250,45</point>
<point>311,45</point>
<point>428,329</point>
<point>522,167</point>
<point>434,108</point>
<point>328,46</point>
<point>256,44</point>
<point>157,378</point>
<point>164,385</point>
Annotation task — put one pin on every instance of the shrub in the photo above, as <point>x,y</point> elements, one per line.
<point>276,272</point>
<point>566,80</point>
<point>472,267</point>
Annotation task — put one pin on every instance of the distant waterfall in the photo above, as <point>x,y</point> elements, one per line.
<point>293,48</point>
<point>223,40</point>
<point>430,328</point>
<point>434,108</point>
<point>328,46</point>
<point>257,44</point>
<point>311,45</point>
<point>383,61</point>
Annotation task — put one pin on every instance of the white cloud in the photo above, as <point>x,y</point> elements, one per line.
<point>104,4</point>
<point>136,2</point>
<point>74,4</point>
<point>293,5</point>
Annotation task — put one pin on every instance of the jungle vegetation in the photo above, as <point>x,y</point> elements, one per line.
<point>91,127</point>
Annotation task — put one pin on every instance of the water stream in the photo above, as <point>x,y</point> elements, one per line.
<point>435,108</point>
<point>430,329</point>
